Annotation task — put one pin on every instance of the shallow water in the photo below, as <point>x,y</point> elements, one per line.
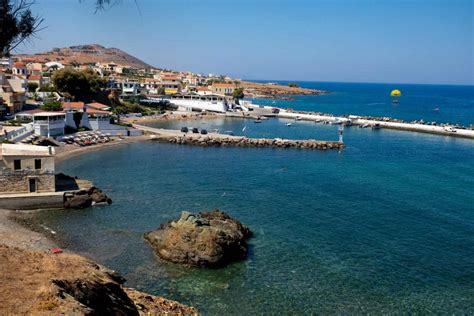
<point>385,226</point>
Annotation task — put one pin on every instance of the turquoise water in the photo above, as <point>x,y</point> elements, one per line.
<point>385,226</point>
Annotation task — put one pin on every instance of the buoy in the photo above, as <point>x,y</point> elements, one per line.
<point>395,93</point>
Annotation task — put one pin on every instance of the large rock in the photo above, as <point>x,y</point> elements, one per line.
<point>206,239</point>
<point>78,201</point>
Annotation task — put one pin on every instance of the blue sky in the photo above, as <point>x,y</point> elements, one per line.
<point>424,41</point>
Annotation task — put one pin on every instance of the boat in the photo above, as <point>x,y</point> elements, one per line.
<point>231,133</point>
<point>336,122</point>
<point>376,126</point>
<point>436,109</point>
<point>297,118</point>
<point>364,125</point>
<point>317,121</point>
<point>257,121</point>
<point>289,124</point>
<point>347,123</point>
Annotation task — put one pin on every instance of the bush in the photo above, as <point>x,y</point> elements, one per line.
<point>293,85</point>
<point>51,106</point>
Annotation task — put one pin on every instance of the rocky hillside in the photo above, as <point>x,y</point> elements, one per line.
<point>84,54</point>
<point>42,283</point>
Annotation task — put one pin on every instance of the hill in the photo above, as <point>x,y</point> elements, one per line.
<point>84,54</point>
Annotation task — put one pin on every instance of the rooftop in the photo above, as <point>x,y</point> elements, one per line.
<point>26,150</point>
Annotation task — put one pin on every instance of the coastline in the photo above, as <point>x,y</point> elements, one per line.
<point>30,245</point>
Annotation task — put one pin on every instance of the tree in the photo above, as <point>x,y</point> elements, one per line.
<point>32,86</point>
<point>81,85</point>
<point>238,93</point>
<point>51,106</point>
<point>17,24</point>
<point>161,90</point>
<point>293,85</point>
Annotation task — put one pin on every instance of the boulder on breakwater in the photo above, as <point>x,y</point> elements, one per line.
<point>252,142</point>
<point>86,198</point>
<point>206,239</point>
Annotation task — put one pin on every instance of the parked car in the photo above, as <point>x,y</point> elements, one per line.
<point>203,131</point>
<point>184,129</point>
<point>195,130</point>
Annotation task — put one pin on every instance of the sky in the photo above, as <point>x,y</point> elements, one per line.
<point>404,41</point>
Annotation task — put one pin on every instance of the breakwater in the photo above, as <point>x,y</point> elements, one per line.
<point>215,139</point>
<point>421,127</point>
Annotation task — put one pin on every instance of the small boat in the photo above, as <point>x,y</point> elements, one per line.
<point>297,118</point>
<point>347,123</point>
<point>317,121</point>
<point>289,124</point>
<point>364,125</point>
<point>436,109</point>
<point>336,122</point>
<point>257,121</point>
<point>231,133</point>
<point>376,126</point>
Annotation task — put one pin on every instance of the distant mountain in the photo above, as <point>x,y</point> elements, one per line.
<point>84,54</point>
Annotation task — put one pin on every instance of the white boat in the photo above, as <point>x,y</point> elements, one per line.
<point>196,102</point>
<point>298,118</point>
<point>289,124</point>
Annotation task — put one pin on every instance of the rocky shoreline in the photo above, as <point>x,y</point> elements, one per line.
<point>40,282</point>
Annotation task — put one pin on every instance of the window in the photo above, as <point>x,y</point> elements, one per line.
<point>37,164</point>
<point>17,164</point>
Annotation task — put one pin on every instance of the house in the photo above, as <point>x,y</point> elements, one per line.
<point>34,78</point>
<point>19,68</point>
<point>203,90</point>
<point>49,124</point>
<point>130,88</point>
<point>170,87</point>
<point>5,63</point>
<point>224,88</point>
<point>13,93</point>
<point>53,66</point>
<point>34,68</point>
<point>26,169</point>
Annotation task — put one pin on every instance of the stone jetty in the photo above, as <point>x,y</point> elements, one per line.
<point>217,140</point>
<point>255,142</point>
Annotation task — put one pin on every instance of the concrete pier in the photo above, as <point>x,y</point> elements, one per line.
<point>421,128</point>
<point>215,139</point>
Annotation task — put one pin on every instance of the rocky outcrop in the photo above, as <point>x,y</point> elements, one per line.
<point>251,142</point>
<point>206,239</point>
<point>86,198</point>
<point>41,283</point>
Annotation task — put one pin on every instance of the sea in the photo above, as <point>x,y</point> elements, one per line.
<point>385,226</point>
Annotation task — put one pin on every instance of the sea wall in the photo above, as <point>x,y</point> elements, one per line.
<point>251,142</point>
<point>31,201</point>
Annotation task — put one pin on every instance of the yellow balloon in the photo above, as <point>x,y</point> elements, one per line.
<point>395,93</point>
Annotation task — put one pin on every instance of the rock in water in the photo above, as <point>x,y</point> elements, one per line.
<point>206,239</point>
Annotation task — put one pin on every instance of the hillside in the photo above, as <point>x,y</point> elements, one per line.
<point>84,54</point>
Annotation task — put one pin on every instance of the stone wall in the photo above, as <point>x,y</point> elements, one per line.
<point>18,181</point>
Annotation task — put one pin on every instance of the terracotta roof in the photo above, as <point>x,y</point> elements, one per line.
<point>34,77</point>
<point>19,64</point>
<point>95,111</point>
<point>97,105</point>
<point>203,88</point>
<point>73,105</point>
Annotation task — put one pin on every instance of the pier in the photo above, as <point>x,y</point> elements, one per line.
<point>216,139</point>
<point>358,120</point>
